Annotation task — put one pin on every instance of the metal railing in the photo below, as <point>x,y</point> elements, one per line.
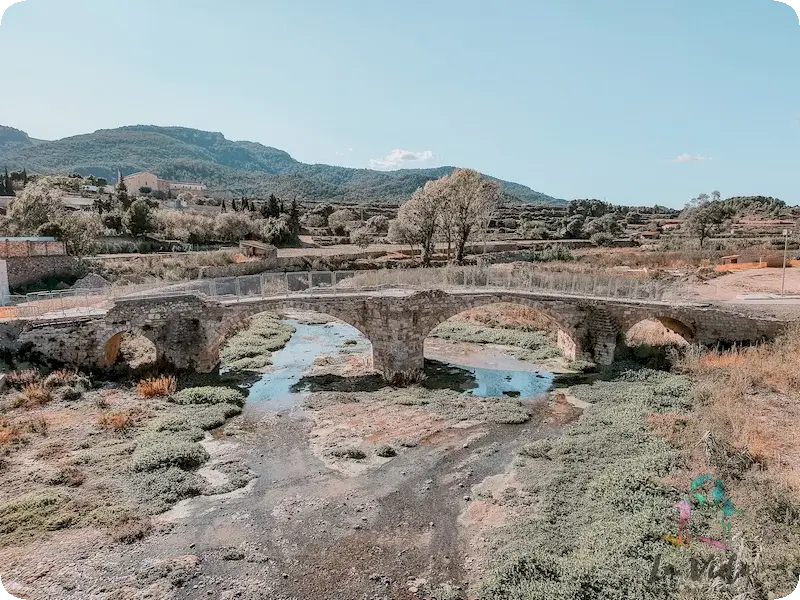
<point>89,302</point>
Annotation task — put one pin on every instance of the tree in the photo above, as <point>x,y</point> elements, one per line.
<point>122,195</point>
<point>422,213</point>
<point>361,238</point>
<point>339,220</point>
<point>277,231</point>
<point>294,218</point>
<point>37,204</point>
<point>273,208</point>
<point>234,205</point>
<point>474,200</point>
<point>401,233</point>
<point>235,227</point>
<point>79,232</point>
<point>139,218</point>
<point>223,208</point>
<point>7,187</point>
<point>704,217</point>
<point>378,224</point>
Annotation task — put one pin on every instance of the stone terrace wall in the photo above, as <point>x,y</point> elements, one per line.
<point>31,269</point>
<point>18,248</point>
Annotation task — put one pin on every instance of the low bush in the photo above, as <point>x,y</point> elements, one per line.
<point>157,387</point>
<point>60,378</point>
<point>70,394</point>
<point>385,451</point>
<point>209,395</point>
<point>10,433</point>
<point>349,452</point>
<point>204,418</point>
<point>32,513</point>
<point>251,348</point>
<point>36,393</point>
<point>160,489</point>
<point>20,379</point>
<point>161,451</point>
<point>115,421</point>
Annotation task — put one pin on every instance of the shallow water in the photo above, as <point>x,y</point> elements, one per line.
<point>283,387</point>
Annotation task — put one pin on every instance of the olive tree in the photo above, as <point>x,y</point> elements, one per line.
<point>38,204</point>
<point>704,216</point>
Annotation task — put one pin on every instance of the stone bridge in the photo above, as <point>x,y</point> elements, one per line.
<point>188,331</point>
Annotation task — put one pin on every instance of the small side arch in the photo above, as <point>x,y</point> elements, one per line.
<point>112,348</point>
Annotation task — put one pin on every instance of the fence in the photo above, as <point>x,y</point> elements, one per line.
<point>74,303</point>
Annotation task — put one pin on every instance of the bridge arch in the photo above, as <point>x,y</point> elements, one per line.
<point>550,320</point>
<point>111,348</point>
<point>241,319</point>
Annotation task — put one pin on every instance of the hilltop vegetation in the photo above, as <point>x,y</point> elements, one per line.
<point>243,168</point>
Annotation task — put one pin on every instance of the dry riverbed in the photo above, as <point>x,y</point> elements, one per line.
<point>366,492</point>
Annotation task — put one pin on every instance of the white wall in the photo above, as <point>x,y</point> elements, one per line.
<point>5,296</point>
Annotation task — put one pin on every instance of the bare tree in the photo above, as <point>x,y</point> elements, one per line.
<point>421,214</point>
<point>473,201</point>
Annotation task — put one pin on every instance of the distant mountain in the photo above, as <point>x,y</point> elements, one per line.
<point>241,167</point>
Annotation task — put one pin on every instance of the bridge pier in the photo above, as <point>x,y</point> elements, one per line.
<point>402,361</point>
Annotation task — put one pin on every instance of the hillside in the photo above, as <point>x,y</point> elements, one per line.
<point>242,167</point>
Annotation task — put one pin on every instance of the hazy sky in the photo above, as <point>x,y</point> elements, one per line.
<point>638,101</point>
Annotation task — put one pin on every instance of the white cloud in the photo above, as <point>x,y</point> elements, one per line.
<point>795,4</point>
<point>397,159</point>
<point>4,5</point>
<point>686,158</point>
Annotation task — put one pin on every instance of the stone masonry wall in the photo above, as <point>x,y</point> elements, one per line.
<point>32,269</point>
<point>188,331</point>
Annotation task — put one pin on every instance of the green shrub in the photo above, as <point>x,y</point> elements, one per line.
<point>163,450</point>
<point>385,451</point>
<point>351,453</point>
<point>203,418</point>
<point>32,513</point>
<point>209,395</point>
<point>160,489</point>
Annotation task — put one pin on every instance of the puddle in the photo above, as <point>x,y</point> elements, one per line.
<point>484,372</point>
<point>274,391</point>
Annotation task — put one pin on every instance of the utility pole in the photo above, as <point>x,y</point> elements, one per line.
<point>786,233</point>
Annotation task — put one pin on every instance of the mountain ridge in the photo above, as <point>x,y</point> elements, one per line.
<point>243,167</point>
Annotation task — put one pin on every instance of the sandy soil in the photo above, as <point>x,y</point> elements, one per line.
<point>733,286</point>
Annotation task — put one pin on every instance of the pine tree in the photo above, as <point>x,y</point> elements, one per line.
<point>233,205</point>
<point>294,218</point>
<point>24,177</point>
<point>283,208</point>
<point>274,209</point>
<point>264,209</point>
<point>122,195</point>
<point>9,184</point>
<point>224,208</point>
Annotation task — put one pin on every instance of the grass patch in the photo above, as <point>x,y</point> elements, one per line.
<point>385,451</point>
<point>536,344</point>
<point>252,348</point>
<point>162,450</point>
<point>209,395</point>
<point>349,453</point>
<point>606,494</point>
<point>32,513</point>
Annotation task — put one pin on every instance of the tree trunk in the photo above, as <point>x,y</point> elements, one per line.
<point>461,243</point>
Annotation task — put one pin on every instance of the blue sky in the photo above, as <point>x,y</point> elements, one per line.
<point>574,98</point>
